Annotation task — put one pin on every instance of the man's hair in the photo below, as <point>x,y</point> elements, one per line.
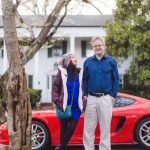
<point>94,38</point>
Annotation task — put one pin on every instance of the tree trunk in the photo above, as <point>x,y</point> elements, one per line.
<point>3,96</point>
<point>18,104</point>
<point>2,113</point>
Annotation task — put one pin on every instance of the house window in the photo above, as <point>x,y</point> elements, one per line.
<point>48,81</point>
<point>83,48</point>
<point>58,49</point>
<point>30,81</point>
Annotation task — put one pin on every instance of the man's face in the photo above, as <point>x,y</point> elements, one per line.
<point>98,47</point>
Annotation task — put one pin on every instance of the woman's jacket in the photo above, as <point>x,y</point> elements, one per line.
<point>59,89</point>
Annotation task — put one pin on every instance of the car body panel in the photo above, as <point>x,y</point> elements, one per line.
<point>127,117</point>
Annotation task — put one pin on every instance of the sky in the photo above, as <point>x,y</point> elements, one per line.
<point>106,7</point>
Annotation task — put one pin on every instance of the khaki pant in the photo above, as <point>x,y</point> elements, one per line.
<point>97,109</point>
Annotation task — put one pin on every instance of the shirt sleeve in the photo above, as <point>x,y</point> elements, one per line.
<point>85,79</point>
<point>115,82</point>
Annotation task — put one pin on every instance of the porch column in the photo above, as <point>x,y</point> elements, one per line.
<point>72,45</point>
<point>36,71</point>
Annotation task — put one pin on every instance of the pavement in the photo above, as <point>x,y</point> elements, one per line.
<point>114,147</point>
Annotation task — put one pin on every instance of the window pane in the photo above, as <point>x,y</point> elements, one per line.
<point>30,81</point>
<point>57,50</point>
<point>49,51</point>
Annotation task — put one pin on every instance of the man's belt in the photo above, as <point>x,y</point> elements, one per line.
<point>97,94</point>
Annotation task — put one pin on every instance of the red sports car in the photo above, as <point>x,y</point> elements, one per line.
<point>130,123</point>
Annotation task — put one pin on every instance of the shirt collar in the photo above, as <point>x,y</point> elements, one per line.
<point>94,56</point>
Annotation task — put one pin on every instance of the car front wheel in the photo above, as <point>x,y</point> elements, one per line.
<point>40,136</point>
<point>142,133</point>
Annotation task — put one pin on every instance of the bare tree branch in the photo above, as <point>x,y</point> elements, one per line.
<point>16,4</point>
<point>29,8</point>
<point>90,2</point>
<point>104,3</point>
<point>35,7</point>
<point>60,21</point>
<point>24,25</point>
<point>45,7</point>
<point>41,39</point>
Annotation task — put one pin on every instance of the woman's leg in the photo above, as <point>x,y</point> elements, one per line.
<point>63,128</point>
<point>68,134</point>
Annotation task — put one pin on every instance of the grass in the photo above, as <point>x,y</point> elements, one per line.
<point>4,148</point>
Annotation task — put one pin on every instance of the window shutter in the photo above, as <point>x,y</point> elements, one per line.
<point>64,47</point>
<point>49,50</point>
<point>83,48</point>
<point>2,53</point>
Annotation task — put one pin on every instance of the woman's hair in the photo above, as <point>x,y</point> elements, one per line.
<point>65,60</point>
<point>72,71</point>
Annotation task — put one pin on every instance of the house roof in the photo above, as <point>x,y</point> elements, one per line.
<point>69,21</point>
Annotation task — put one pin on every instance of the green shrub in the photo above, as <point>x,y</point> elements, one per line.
<point>137,90</point>
<point>4,148</point>
<point>35,96</point>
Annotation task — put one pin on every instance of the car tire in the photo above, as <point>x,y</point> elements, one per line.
<point>142,133</point>
<point>40,136</point>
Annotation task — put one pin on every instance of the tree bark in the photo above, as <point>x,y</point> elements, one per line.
<point>3,96</point>
<point>18,104</point>
<point>2,113</point>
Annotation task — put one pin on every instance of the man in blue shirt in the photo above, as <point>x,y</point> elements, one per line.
<point>100,84</point>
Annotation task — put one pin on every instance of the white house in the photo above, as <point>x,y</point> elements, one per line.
<point>76,32</point>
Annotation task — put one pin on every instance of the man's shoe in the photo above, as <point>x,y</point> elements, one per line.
<point>57,148</point>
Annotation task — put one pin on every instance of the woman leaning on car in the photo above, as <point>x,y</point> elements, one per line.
<point>66,90</point>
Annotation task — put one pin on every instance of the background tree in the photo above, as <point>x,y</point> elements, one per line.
<point>129,35</point>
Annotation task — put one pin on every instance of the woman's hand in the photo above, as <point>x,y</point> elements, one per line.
<point>85,98</point>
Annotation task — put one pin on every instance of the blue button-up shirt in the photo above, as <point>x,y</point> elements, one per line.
<point>100,76</point>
